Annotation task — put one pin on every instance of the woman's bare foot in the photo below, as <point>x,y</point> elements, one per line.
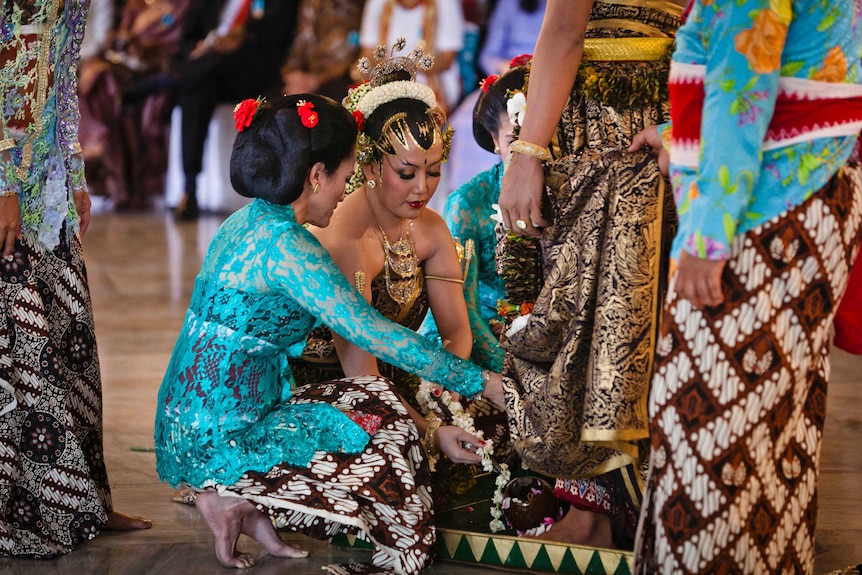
<point>257,525</point>
<point>228,517</point>
<point>581,527</point>
<point>224,515</point>
<point>121,522</point>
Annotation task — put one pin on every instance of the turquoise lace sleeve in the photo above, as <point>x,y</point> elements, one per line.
<point>300,265</point>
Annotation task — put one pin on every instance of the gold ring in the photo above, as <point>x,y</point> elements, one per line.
<point>521,224</point>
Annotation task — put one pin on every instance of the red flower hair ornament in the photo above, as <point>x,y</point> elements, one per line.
<point>521,60</point>
<point>243,113</point>
<point>488,82</point>
<point>306,112</point>
<point>360,119</point>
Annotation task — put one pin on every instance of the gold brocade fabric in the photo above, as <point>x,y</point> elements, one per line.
<point>626,49</point>
<point>577,375</point>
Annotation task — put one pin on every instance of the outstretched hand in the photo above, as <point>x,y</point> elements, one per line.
<point>452,441</point>
<point>521,196</point>
<point>649,137</point>
<point>699,280</point>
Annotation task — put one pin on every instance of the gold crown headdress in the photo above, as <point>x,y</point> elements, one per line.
<point>385,79</point>
<point>387,83</point>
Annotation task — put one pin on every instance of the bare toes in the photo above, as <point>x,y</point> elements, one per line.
<point>121,522</point>
<point>237,560</point>
<point>243,560</point>
<point>292,551</point>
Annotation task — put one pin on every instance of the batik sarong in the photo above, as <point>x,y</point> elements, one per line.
<point>54,490</point>
<point>739,395</point>
<point>381,495</point>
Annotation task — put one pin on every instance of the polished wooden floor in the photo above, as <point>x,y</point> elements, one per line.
<point>141,268</point>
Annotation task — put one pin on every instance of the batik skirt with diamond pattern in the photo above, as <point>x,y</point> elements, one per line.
<point>382,495</point>
<point>739,396</point>
<point>54,491</point>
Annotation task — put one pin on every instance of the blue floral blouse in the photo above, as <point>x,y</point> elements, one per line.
<point>752,50</point>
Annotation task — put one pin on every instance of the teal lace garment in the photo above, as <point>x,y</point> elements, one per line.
<point>468,215</point>
<point>265,284</point>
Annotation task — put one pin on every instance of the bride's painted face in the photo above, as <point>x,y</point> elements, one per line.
<point>408,179</point>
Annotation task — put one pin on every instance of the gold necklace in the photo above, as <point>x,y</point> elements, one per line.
<point>400,263</point>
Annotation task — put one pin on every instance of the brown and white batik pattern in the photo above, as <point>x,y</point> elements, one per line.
<point>739,396</point>
<point>381,494</point>
<point>53,487</point>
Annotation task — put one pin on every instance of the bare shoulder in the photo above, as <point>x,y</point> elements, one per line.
<point>431,234</point>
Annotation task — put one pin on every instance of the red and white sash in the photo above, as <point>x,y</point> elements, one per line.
<point>804,110</point>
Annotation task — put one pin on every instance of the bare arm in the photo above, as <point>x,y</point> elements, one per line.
<point>445,298</point>
<point>556,60</point>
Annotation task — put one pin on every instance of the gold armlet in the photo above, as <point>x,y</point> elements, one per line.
<point>444,279</point>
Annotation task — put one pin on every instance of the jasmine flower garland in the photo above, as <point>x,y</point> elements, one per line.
<point>436,401</point>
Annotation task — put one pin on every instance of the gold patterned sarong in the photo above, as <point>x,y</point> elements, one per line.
<point>577,375</point>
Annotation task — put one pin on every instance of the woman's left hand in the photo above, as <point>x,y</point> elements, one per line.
<point>10,224</point>
<point>82,205</point>
<point>451,440</point>
<point>699,280</point>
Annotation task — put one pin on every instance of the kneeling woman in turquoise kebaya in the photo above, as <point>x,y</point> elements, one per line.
<point>324,458</point>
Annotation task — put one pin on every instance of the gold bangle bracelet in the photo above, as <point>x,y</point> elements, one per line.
<point>528,149</point>
<point>431,437</point>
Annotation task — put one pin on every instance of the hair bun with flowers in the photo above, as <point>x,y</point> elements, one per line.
<point>306,112</point>
<point>486,84</point>
<point>243,113</point>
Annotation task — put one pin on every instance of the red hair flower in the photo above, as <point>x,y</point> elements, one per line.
<point>488,82</point>
<point>306,112</point>
<point>521,60</point>
<point>243,113</point>
<point>360,119</point>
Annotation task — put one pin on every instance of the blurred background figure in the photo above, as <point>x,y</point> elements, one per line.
<point>437,24</point>
<point>229,51</point>
<point>512,30</point>
<point>324,48</point>
<point>125,99</point>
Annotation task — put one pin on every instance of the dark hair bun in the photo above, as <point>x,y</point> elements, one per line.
<point>271,158</point>
<point>490,104</point>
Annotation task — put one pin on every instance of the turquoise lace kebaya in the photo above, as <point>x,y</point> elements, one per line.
<point>265,283</point>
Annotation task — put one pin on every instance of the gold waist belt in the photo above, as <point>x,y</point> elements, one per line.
<point>626,49</point>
